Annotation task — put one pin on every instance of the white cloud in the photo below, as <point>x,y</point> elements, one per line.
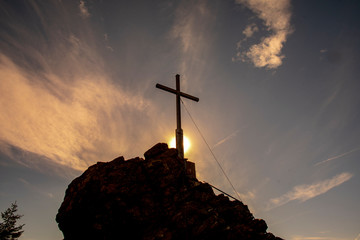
<point>84,12</point>
<point>303,193</point>
<point>276,16</point>
<point>338,156</point>
<point>226,138</point>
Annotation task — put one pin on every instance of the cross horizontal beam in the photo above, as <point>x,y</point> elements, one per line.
<point>179,131</point>
<point>165,88</point>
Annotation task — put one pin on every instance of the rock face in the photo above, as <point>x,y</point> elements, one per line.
<point>151,199</point>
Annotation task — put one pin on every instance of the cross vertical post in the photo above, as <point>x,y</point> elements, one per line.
<point>178,132</point>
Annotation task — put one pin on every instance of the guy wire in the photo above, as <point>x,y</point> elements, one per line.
<point>212,153</point>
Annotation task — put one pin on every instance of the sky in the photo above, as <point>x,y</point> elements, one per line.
<point>278,83</point>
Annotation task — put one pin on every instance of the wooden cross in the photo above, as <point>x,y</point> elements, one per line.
<point>179,131</point>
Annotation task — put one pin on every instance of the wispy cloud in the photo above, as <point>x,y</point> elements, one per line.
<point>63,122</point>
<point>192,29</point>
<point>323,50</point>
<point>226,138</point>
<point>358,237</point>
<point>36,189</point>
<point>106,38</point>
<point>84,12</point>
<point>276,15</point>
<point>186,23</point>
<point>303,193</point>
<point>58,101</point>
<point>338,156</point>
<point>247,195</point>
<point>315,238</point>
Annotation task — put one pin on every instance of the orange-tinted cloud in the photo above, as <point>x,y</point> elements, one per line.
<point>70,122</point>
<point>59,102</point>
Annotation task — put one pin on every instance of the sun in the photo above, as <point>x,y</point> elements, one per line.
<point>187,144</point>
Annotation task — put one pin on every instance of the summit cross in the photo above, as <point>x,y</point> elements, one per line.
<point>178,131</point>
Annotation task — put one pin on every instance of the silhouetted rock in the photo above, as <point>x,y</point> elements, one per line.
<point>156,150</point>
<point>151,199</point>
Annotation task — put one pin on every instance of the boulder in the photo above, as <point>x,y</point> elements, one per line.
<point>152,199</point>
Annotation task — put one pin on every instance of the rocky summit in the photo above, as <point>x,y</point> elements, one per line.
<point>152,198</point>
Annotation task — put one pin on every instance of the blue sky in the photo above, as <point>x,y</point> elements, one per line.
<point>278,83</point>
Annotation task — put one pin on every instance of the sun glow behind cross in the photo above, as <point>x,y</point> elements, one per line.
<point>187,144</point>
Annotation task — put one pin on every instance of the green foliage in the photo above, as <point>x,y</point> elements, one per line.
<point>8,228</point>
